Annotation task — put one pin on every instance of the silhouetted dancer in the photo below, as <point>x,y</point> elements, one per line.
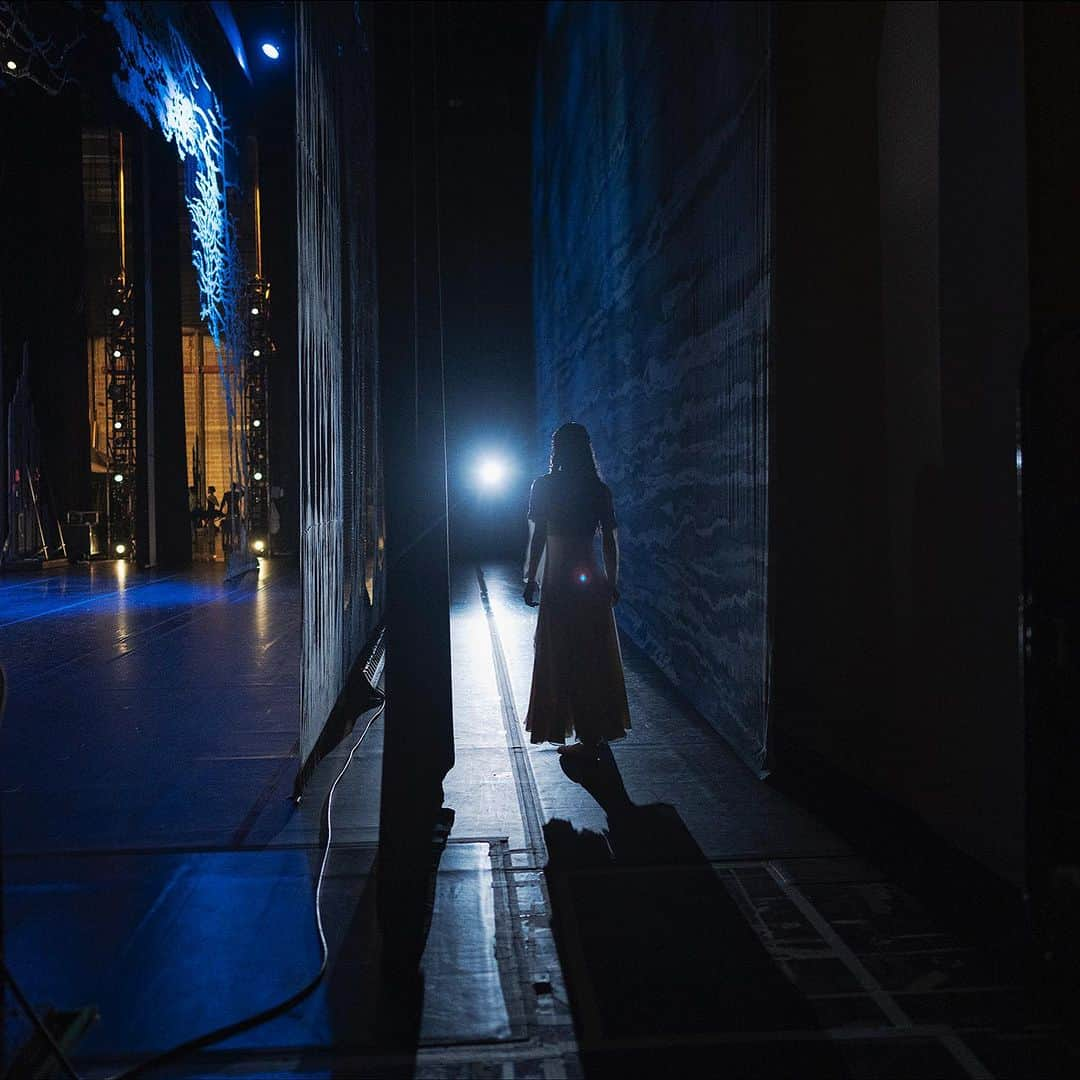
<point>577,681</point>
<point>231,500</point>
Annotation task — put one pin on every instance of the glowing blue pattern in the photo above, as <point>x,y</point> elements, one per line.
<point>163,82</point>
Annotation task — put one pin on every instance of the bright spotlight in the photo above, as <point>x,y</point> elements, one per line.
<point>271,51</point>
<point>256,423</point>
<point>117,425</point>
<point>258,476</point>
<point>256,352</point>
<point>119,477</point>
<point>12,66</point>
<point>120,549</point>
<point>259,546</point>
<point>117,353</point>
<point>492,474</point>
<point>116,311</point>
<point>254,311</point>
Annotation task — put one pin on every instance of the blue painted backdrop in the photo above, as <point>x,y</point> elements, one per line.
<point>651,280</point>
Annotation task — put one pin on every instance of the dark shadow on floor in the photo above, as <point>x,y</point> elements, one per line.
<point>375,985</point>
<point>666,976</point>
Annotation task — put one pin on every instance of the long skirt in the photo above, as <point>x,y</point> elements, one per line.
<point>577,681</point>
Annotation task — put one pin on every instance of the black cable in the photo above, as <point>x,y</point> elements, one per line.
<point>246,1024</point>
<point>40,1024</point>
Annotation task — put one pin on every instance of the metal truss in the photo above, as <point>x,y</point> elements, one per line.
<point>257,413</point>
<point>121,419</point>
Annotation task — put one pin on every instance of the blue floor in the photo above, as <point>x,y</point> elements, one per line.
<point>146,710</point>
<point>155,868</point>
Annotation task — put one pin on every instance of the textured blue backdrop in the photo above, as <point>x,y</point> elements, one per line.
<point>651,205</point>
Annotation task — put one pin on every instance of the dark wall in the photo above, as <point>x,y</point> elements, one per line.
<point>1051,470</point>
<point>828,535</point>
<point>651,192</point>
<point>976,769</point>
<point>41,283</point>
<point>900,324</point>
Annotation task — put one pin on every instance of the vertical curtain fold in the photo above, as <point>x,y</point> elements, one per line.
<point>340,488</point>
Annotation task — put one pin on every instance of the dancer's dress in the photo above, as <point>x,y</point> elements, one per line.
<point>577,682</point>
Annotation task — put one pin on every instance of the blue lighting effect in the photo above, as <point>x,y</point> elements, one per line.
<point>163,82</point>
<point>102,588</point>
<point>223,12</point>
<point>271,51</point>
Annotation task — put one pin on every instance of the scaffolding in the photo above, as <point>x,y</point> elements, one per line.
<point>120,420</point>
<point>257,414</point>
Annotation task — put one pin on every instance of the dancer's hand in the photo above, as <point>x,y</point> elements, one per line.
<point>530,594</point>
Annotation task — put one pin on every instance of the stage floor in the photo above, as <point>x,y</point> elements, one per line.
<point>628,921</point>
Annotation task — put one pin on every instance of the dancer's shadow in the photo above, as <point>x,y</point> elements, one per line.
<point>666,974</point>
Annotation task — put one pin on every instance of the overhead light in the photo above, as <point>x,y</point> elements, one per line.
<point>117,353</point>
<point>116,311</point>
<point>119,477</point>
<point>258,476</point>
<point>254,311</point>
<point>256,352</point>
<point>270,51</point>
<point>11,65</point>
<point>256,423</point>
<point>117,425</point>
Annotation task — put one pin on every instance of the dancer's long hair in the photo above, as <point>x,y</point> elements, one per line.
<point>572,452</point>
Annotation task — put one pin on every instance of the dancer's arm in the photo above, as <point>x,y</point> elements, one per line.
<point>610,547</point>
<point>537,542</point>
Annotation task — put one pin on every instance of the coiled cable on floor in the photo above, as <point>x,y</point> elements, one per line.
<point>237,1027</point>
